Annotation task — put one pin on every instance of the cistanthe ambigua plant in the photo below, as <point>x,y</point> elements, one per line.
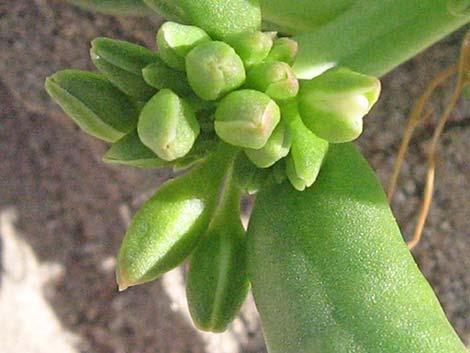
<point>265,97</point>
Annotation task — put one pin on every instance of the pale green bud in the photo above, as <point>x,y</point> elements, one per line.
<point>94,104</point>
<point>160,76</point>
<point>246,118</point>
<point>168,126</point>
<point>252,47</point>
<point>122,63</point>
<point>284,49</point>
<point>333,104</point>
<point>214,69</point>
<point>277,147</point>
<point>175,41</point>
<point>276,79</point>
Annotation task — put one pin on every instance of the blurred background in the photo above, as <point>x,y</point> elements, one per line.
<point>63,212</point>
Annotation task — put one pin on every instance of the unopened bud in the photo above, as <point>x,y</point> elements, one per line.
<point>276,79</point>
<point>98,107</point>
<point>284,49</point>
<point>277,147</point>
<point>333,104</point>
<point>214,69</point>
<point>122,63</point>
<point>246,118</point>
<point>175,41</point>
<point>252,47</point>
<point>168,126</point>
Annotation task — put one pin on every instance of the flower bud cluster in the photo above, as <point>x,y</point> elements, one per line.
<point>170,107</point>
<point>234,110</point>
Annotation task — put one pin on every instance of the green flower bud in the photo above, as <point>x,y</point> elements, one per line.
<point>246,118</point>
<point>96,106</point>
<point>175,41</point>
<point>333,104</point>
<point>252,47</point>
<point>217,281</point>
<point>168,126</point>
<point>276,79</point>
<point>160,76</point>
<point>167,228</point>
<point>214,69</point>
<point>131,151</point>
<point>307,153</point>
<point>277,147</point>
<point>219,18</point>
<point>285,50</point>
<point>122,63</point>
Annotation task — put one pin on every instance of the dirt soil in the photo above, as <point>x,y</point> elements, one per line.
<point>72,209</point>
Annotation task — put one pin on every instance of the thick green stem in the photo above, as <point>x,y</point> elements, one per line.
<point>375,36</point>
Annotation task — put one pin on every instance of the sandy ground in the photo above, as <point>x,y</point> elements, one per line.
<point>63,212</point>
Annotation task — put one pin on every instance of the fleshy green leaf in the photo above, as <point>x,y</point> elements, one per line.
<point>98,107</point>
<point>122,63</point>
<point>217,281</point>
<point>167,228</point>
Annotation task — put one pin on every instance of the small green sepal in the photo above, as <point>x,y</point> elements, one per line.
<point>307,154</point>
<point>277,147</point>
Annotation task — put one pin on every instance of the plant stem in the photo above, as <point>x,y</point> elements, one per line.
<point>374,36</point>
